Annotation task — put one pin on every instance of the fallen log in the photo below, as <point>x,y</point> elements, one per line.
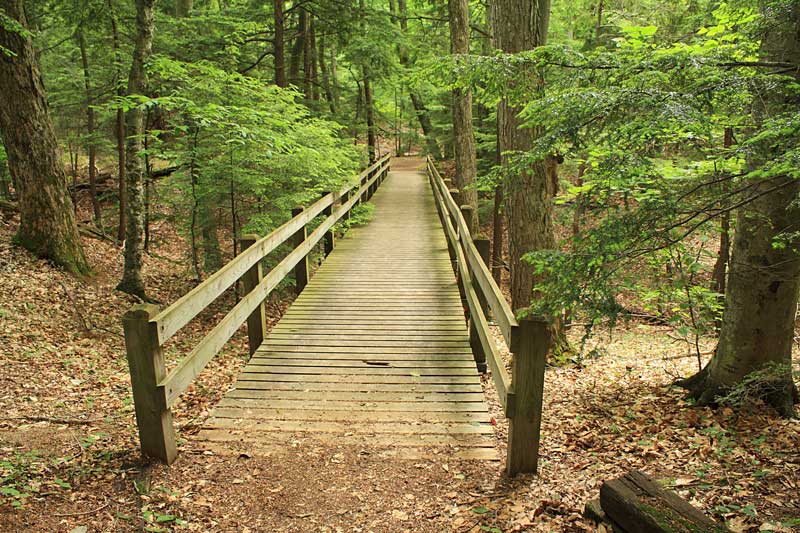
<point>635,503</point>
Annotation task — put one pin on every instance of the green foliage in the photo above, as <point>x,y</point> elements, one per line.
<point>359,216</point>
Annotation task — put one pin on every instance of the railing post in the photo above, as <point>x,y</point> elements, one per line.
<point>328,239</point>
<point>343,200</point>
<point>301,269</point>
<point>257,321</point>
<point>468,212</point>
<point>527,382</point>
<point>146,364</point>
<point>482,244</point>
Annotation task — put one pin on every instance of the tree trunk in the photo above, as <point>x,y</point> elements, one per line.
<point>297,52</point>
<point>719,274</point>
<point>47,220</point>
<point>279,46</point>
<point>522,25</point>
<point>90,145</point>
<point>463,134</point>
<point>119,126</point>
<point>764,279</point>
<point>305,30</point>
<point>369,111</point>
<point>132,281</point>
<point>312,50</point>
<point>183,8</point>
<point>326,81</point>
<point>416,100</point>
<point>497,235</point>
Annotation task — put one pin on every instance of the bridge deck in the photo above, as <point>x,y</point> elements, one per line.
<point>374,351</point>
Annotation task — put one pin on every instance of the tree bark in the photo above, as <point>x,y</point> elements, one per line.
<point>522,25</point>
<point>47,220</point>
<point>132,281</point>
<point>279,46</point>
<point>119,126</point>
<point>183,8</point>
<point>91,149</point>
<point>719,274</point>
<point>297,52</point>
<point>497,235</point>
<point>326,80</point>
<point>463,134</point>
<point>416,100</point>
<point>762,293</point>
<point>369,111</point>
<point>305,30</point>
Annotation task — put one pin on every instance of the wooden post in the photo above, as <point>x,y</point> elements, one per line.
<point>257,321</point>
<point>342,201</point>
<point>527,382</point>
<point>474,340</point>
<point>482,244</point>
<point>328,239</point>
<point>146,364</point>
<point>301,269</point>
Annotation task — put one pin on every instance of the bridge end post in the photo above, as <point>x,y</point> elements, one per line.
<point>301,269</point>
<point>527,382</point>
<point>146,364</point>
<point>257,321</point>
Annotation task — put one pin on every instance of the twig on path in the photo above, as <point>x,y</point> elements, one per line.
<point>82,513</point>
<point>65,421</point>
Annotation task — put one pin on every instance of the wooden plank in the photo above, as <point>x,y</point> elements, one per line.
<point>368,342</point>
<point>354,400</point>
<point>248,377</point>
<point>364,350</point>
<point>370,428</point>
<point>359,363</point>
<point>231,408</point>
<point>364,370</point>
<point>361,357</point>
<point>412,390</point>
<point>459,441</point>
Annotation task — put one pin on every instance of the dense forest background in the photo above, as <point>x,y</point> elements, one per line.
<point>634,164</point>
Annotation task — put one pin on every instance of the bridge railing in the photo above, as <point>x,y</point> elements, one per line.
<point>527,339</point>
<point>147,327</point>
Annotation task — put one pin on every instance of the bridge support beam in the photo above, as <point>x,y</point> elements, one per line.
<point>146,364</point>
<point>257,321</point>
<point>527,383</point>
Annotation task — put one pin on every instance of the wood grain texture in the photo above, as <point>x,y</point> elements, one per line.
<point>378,337</point>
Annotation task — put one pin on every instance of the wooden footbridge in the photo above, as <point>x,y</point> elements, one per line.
<point>382,347</point>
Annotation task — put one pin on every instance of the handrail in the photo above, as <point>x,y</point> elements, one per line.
<point>527,339</point>
<point>147,328</point>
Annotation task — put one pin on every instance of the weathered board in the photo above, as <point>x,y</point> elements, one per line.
<point>374,351</point>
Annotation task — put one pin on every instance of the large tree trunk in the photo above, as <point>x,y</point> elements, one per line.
<point>47,220</point>
<point>119,126</point>
<point>279,46</point>
<point>91,149</point>
<point>416,100</point>
<point>132,281</point>
<point>464,136</point>
<point>522,25</point>
<point>762,293</point>
<point>519,26</point>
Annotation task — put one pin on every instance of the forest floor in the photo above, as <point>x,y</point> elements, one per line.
<point>69,458</point>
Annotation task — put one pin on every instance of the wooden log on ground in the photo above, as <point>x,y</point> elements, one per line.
<point>637,504</point>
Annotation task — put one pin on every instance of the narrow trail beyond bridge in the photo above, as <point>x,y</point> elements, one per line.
<point>374,351</point>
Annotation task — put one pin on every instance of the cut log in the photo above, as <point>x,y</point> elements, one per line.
<point>638,504</point>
